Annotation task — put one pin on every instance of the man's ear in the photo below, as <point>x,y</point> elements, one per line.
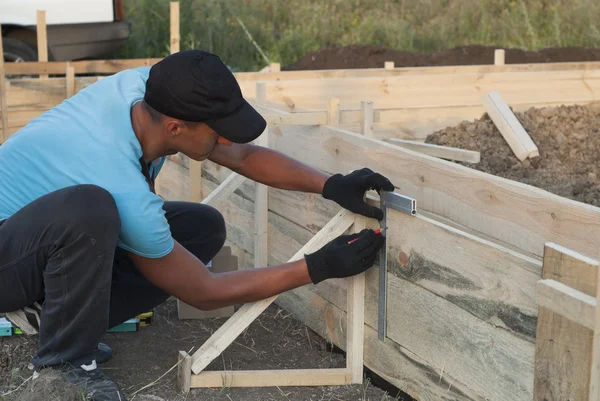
<point>174,127</point>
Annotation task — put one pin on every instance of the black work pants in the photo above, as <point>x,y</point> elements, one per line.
<point>62,248</point>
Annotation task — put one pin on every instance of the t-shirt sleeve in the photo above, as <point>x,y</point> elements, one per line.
<point>144,227</point>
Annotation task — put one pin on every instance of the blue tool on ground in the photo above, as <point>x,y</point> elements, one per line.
<point>6,328</point>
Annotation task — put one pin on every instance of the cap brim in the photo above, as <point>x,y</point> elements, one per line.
<point>242,127</point>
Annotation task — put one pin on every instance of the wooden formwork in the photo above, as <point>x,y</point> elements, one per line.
<point>463,274</point>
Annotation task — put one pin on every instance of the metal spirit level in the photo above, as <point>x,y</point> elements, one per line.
<point>403,204</point>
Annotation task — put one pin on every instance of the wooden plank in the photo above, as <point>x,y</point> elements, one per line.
<point>443,152</point>
<point>389,65</point>
<point>243,77</point>
<point>564,348</point>
<point>487,280</point>
<point>594,392</point>
<point>366,118</point>
<point>509,211</point>
<point>261,214</point>
<point>261,92</point>
<point>3,103</point>
<point>175,37</point>
<point>272,378</point>
<point>499,57</point>
<point>42,38</point>
<point>226,188</point>
<point>567,302</point>
<point>70,78</point>
<point>195,173</point>
<point>184,372</point>
<point>82,66</point>
<point>229,331</point>
<point>333,112</point>
<point>511,129</point>
<point>434,90</point>
<point>356,318</point>
<point>319,118</point>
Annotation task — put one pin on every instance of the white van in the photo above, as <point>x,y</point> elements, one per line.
<point>76,29</point>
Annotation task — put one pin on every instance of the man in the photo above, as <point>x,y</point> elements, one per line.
<point>85,243</point>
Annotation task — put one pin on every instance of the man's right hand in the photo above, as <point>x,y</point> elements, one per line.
<point>345,256</point>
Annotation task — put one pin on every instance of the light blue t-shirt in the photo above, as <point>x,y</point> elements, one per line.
<point>89,139</point>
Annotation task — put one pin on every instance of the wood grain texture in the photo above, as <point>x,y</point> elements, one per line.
<point>564,348</point>
<point>42,38</point>
<point>272,378</point>
<point>333,112</point>
<point>486,280</point>
<point>506,210</point>
<point>70,78</point>
<point>261,214</point>
<point>366,118</point>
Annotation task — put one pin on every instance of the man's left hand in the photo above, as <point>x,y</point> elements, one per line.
<point>349,191</point>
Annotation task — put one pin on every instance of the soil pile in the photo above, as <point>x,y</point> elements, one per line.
<point>373,56</point>
<point>51,385</point>
<point>568,138</point>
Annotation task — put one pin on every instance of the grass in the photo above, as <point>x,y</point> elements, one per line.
<point>287,30</point>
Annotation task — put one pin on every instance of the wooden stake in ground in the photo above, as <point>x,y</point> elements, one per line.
<point>3,103</point>
<point>366,118</point>
<point>511,129</point>
<point>174,12</point>
<point>499,57</point>
<point>42,39</point>
<point>70,76</point>
<point>261,214</point>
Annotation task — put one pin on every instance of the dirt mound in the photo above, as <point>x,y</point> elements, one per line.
<point>51,385</point>
<point>373,56</point>
<point>568,138</point>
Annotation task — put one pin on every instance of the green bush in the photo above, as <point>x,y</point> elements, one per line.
<point>287,30</point>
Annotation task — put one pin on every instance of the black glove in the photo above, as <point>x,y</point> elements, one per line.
<point>349,191</point>
<point>339,258</point>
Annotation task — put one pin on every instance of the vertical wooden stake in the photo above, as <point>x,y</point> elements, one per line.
<point>184,372</point>
<point>499,56</point>
<point>196,181</point>
<point>275,67</point>
<point>261,92</point>
<point>174,27</point>
<point>261,215</point>
<point>3,104</point>
<point>356,318</point>
<point>594,392</point>
<point>42,39</point>
<point>70,75</point>
<point>563,348</point>
<point>333,112</point>
<point>389,65</point>
<point>366,118</point>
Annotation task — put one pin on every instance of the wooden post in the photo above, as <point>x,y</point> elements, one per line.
<point>499,56</point>
<point>261,92</point>
<point>195,181</point>
<point>594,392</point>
<point>333,112</point>
<point>366,118</point>
<point>389,65</point>
<point>356,318</point>
<point>261,214</point>
<point>184,372</point>
<point>3,103</point>
<point>42,39</point>
<point>70,76</point>
<point>275,67</point>
<point>174,27</point>
<point>563,348</point>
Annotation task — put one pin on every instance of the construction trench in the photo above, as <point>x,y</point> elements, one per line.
<point>490,289</point>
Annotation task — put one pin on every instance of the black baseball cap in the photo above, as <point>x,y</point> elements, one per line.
<point>194,85</point>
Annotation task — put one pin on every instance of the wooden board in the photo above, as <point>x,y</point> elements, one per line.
<point>563,347</point>
<point>515,213</point>
<point>272,378</point>
<point>443,152</point>
<point>435,90</point>
<point>567,302</point>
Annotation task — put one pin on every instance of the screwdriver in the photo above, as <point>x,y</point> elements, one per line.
<point>378,231</point>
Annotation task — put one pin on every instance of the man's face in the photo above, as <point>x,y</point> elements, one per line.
<point>197,141</point>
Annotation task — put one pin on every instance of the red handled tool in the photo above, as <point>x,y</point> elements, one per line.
<point>378,231</point>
